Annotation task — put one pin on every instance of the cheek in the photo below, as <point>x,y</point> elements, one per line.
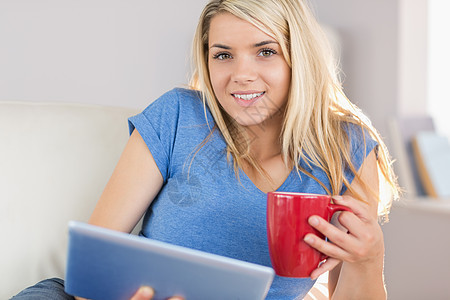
<point>213,75</point>
<point>287,82</point>
<point>282,78</point>
<point>279,82</point>
<point>277,73</point>
<point>218,79</point>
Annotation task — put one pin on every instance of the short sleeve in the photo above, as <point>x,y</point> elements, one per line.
<point>157,125</point>
<point>361,144</point>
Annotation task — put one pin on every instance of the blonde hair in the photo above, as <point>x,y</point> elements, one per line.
<point>317,107</point>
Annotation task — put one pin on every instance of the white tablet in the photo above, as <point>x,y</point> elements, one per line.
<point>106,264</point>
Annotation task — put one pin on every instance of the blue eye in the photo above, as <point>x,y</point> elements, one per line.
<point>222,56</point>
<point>267,52</point>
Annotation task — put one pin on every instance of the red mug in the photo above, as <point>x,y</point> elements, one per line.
<point>287,225</point>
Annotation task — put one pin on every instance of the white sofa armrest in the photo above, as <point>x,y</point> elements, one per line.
<point>55,160</point>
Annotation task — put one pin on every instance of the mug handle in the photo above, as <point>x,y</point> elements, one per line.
<point>333,208</point>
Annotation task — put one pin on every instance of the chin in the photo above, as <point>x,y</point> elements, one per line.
<point>248,121</point>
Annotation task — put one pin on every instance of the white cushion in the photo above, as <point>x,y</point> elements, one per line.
<point>55,160</point>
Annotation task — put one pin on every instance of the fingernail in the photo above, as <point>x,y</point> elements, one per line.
<point>146,291</point>
<point>337,197</point>
<point>313,221</point>
<point>308,239</point>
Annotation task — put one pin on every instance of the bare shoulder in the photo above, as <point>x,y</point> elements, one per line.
<point>135,182</point>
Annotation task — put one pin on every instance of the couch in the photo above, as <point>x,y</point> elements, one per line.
<point>55,159</point>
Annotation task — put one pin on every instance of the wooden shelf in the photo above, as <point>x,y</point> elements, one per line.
<point>440,206</point>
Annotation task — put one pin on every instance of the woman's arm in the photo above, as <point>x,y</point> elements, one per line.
<point>361,250</point>
<point>135,182</point>
<point>133,185</point>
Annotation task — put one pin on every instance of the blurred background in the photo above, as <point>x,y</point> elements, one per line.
<point>395,62</point>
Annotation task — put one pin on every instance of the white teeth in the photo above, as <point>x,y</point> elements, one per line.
<point>247,96</point>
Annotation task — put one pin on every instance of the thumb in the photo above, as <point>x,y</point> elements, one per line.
<point>144,293</point>
<point>328,265</point>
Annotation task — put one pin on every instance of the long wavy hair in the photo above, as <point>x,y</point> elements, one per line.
<point>317,109</point>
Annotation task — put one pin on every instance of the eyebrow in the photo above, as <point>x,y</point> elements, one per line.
<point>263,43</point>
<point>220,46</point>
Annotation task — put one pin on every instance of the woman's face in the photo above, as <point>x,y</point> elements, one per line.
<point>249,75</point>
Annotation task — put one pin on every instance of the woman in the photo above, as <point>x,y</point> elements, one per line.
<point>265,112</point>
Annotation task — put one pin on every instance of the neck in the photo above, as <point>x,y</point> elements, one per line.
<point>265,140</point>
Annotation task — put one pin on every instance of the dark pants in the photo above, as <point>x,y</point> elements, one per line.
<point>49,289</point>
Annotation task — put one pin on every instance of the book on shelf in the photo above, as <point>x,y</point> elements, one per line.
<point>432,155</point>
<point>401,132</point>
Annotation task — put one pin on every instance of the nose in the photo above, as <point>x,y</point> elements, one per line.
<point>244,70</point>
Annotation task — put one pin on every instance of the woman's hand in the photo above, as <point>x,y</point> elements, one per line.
<point>361,251</point>
<point>144,293</point>
<point>147,293</point>
<point>363,244</point>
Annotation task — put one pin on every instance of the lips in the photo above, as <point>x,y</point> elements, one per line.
<point>247,98</point>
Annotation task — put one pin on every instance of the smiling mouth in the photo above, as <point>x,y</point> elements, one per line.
<point>248,97</point>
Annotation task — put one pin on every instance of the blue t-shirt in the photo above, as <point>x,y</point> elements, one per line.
<point>202,205</point>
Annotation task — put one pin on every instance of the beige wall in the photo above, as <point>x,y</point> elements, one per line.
<point>114,52</point>
<point>127,53</point>
<point>384,54</point>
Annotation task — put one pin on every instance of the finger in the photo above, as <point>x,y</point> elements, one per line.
<point>144,293</point>
<point>340,242</point>
<point>334,234</point>
<point>335,221</point>
<point>327,248</point>
<point>176,298</point>
<point>326,266</point>
<point>359,208</point>
<point>355,226</point>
